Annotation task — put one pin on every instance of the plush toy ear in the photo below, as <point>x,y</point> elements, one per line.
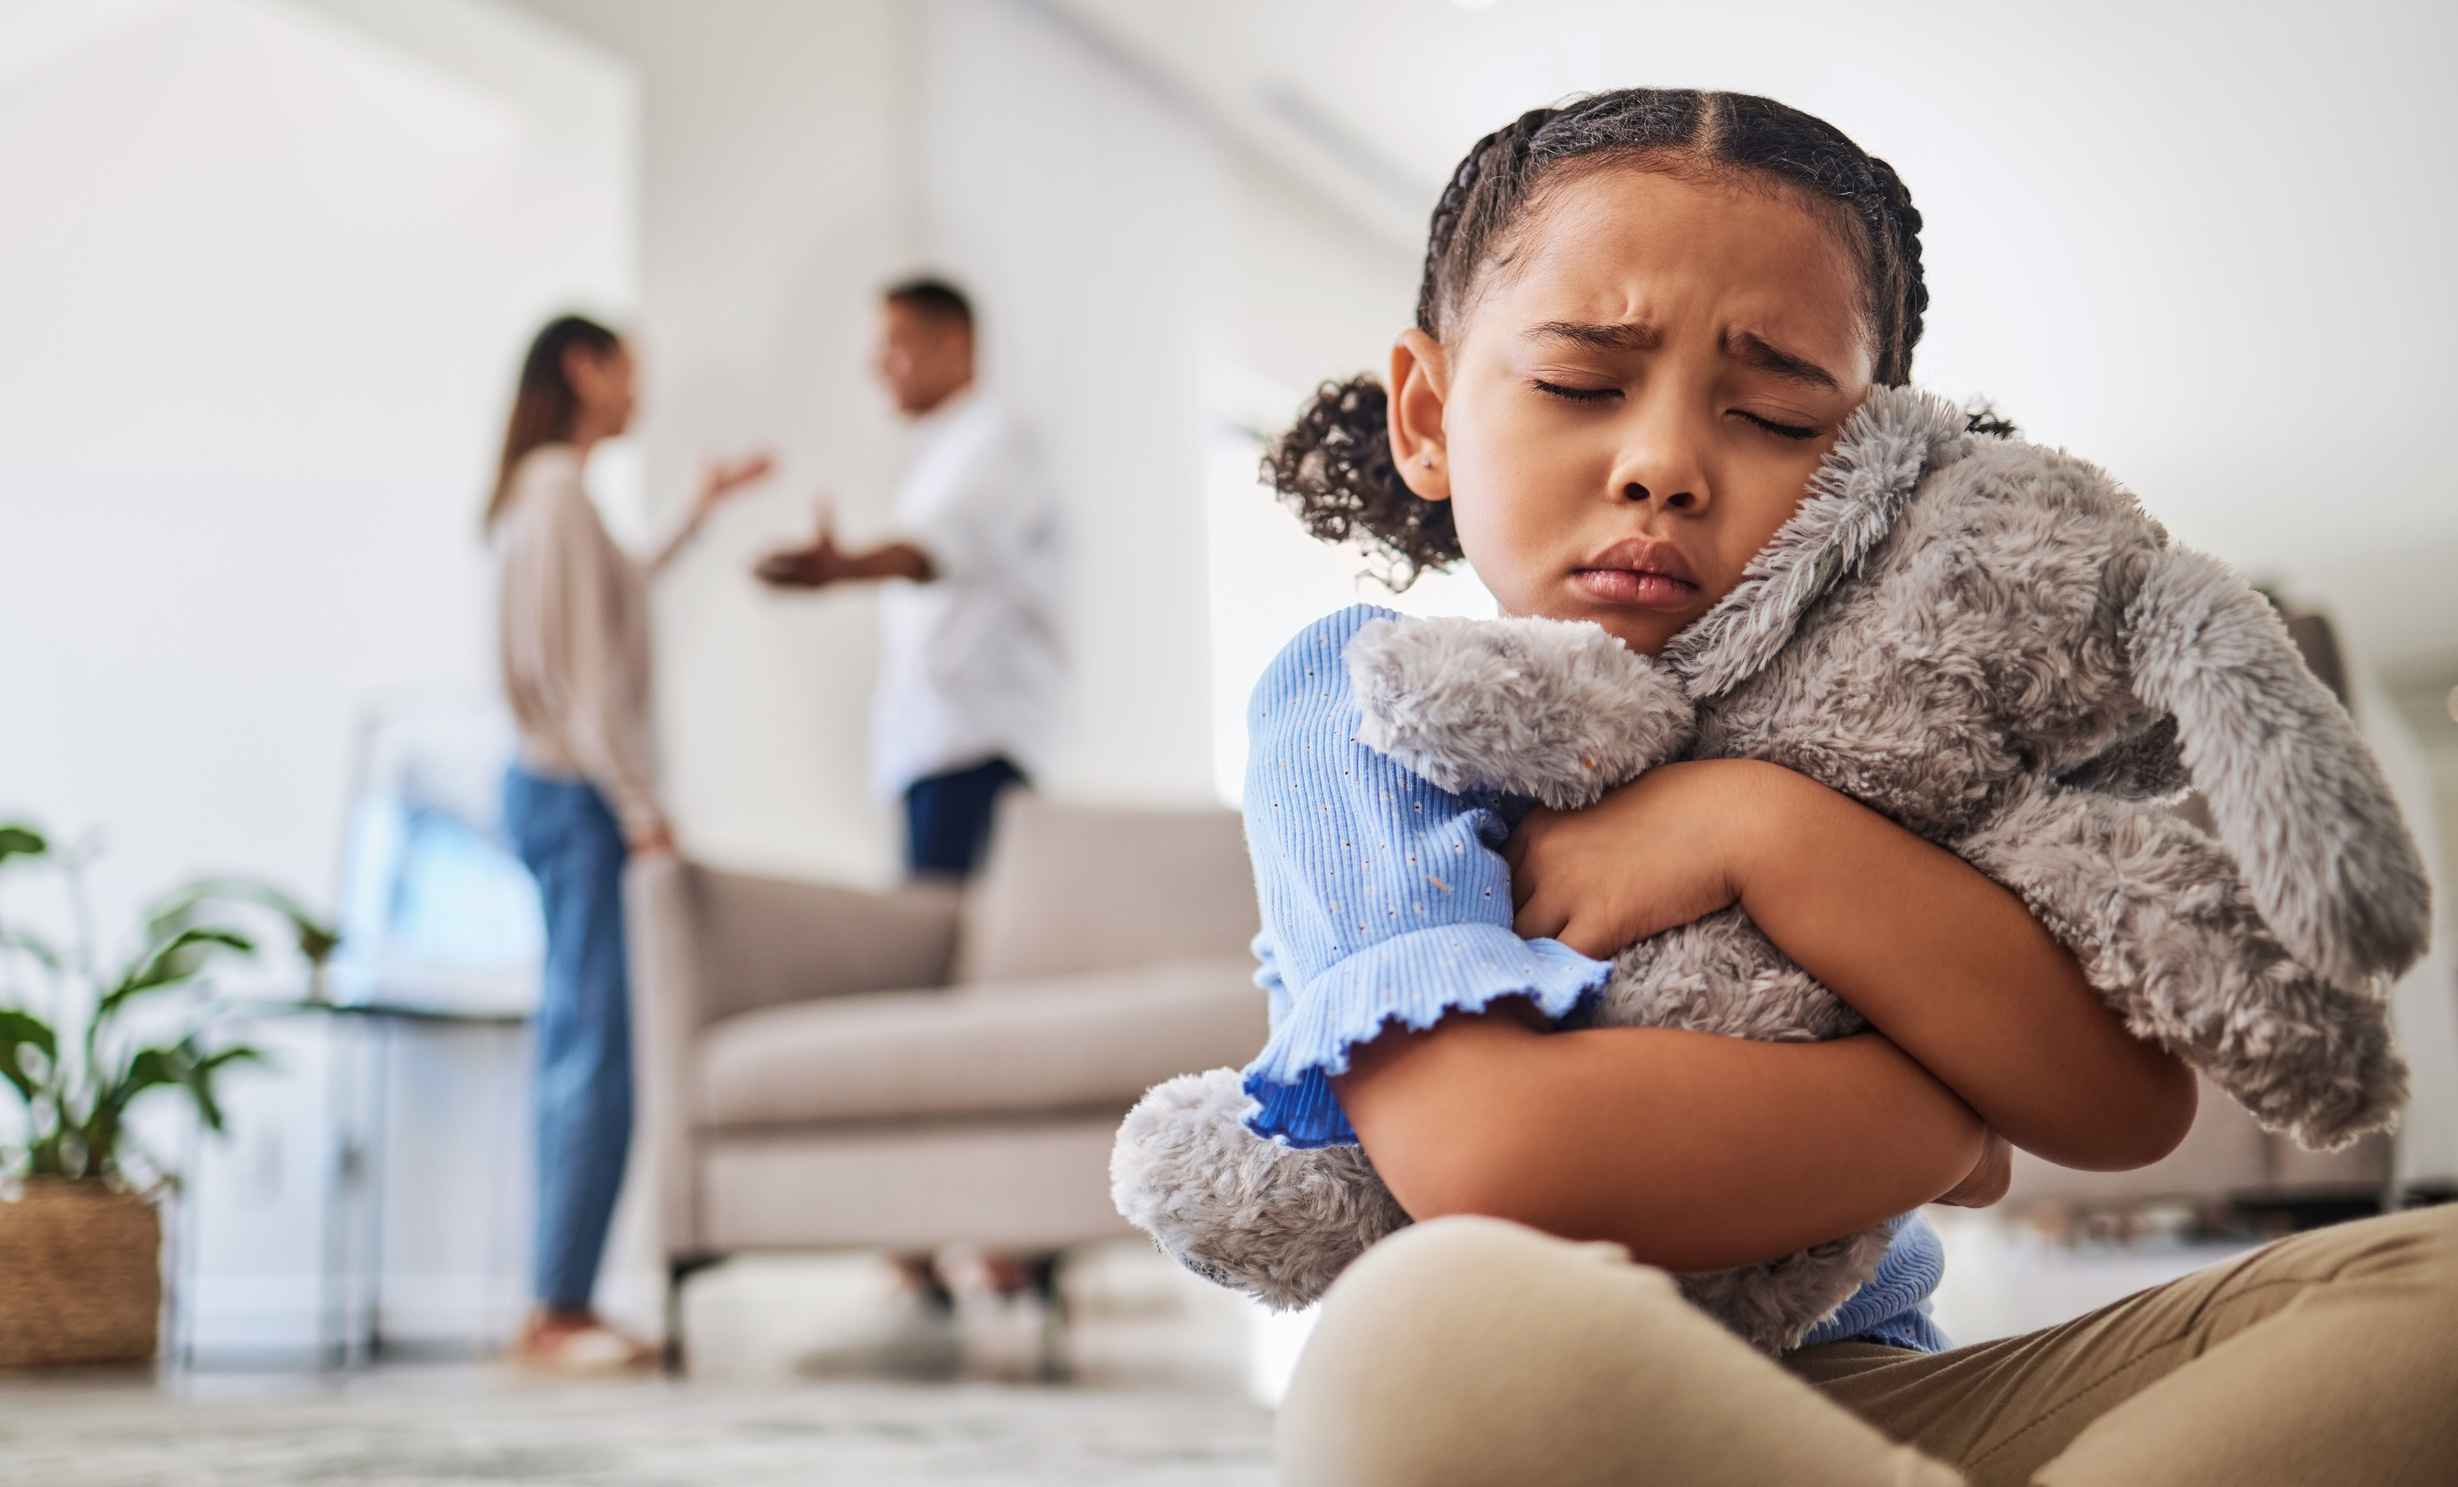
<point>2294,793</point>
<point>1560,711</point>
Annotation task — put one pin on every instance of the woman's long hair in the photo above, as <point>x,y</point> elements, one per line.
<point>545,409</point>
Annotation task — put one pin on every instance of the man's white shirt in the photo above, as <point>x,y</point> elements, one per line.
<point>971,666</point>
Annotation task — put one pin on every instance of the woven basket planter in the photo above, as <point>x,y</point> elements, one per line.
<point>80,1276</point>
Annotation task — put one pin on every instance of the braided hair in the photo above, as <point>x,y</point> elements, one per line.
<point>1334,467</point>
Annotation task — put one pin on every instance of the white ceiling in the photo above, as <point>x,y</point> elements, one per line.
<point>2204,243</point>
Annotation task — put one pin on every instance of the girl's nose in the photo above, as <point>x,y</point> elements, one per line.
<point>1677,501</point>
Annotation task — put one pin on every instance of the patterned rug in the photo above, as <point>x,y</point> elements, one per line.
<point>474,1425</point>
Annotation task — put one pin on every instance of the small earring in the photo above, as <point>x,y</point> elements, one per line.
<point>1426,460</point>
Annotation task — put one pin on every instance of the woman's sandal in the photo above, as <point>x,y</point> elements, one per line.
<point>578,1349</point>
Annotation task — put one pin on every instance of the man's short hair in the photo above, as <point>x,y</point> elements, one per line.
<point>936,298</point>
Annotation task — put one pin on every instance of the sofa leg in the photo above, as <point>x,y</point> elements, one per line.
<point>680,1268</point>
<point>1041,1272</point>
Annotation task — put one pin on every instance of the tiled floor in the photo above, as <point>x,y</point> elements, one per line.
<point>1167,1373</point>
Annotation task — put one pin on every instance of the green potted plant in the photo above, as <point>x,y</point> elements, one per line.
<point>80,1238</point>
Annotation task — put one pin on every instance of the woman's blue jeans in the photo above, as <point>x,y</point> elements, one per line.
<point>574,848</point>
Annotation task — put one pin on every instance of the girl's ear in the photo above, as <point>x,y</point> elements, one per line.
<point>1420,385</point>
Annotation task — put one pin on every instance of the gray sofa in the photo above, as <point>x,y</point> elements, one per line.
<point>825,1068</point>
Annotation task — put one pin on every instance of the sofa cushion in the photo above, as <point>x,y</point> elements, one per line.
<point>1071,888</point>
<point>1004,1047</point>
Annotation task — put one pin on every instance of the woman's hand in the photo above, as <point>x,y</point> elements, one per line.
<point>1651,855</point>
<point>720,479</point>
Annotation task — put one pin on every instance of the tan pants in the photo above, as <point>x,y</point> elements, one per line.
<point>1467,1352</point>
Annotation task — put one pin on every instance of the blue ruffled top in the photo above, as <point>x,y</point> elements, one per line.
<point>1386,899</point>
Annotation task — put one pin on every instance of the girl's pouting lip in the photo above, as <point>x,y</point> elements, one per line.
<point>1640,573</point>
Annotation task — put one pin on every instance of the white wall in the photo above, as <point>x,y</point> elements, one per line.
<point>264,280</point>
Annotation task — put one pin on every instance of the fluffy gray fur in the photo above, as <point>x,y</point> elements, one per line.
<point>1994,645</point>
<point>1273,1221</point>
<point>1534,707</point>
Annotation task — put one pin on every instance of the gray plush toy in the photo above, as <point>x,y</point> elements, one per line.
<point>1995,646</point>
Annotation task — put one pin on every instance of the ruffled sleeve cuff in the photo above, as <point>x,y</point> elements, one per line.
<point>1414,979</point>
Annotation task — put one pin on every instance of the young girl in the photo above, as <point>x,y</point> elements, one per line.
<point>1643,321</point>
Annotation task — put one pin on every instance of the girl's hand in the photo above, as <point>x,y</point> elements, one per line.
<point>1654,854</point>
<point>1989,1177</point>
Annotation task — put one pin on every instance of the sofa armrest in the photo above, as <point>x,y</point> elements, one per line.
<point>706,944</point>
<point>666,992</point>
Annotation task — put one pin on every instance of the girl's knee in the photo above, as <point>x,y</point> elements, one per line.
<point>1427,1345</point>
<point>1443,1270</point>
<point>2423,1242</point>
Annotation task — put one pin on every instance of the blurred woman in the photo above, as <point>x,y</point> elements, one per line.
<point>573,618</point>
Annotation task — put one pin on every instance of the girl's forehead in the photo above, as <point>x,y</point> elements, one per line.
<point>1615,243</point>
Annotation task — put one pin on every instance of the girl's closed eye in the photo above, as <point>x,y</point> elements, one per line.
<point>1781,430</point>
<point>1572,394</point>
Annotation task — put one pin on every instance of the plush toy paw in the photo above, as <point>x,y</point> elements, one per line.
<point>2324,1068</point>
<point>1275,1222</point>
<point>1560,711</point>
<point>1772,1305</point>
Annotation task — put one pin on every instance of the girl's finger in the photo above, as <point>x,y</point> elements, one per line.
<point>1538,919</point>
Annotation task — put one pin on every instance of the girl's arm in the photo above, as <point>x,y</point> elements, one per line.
<point>1699,1152</point>
<point>1696,1152</point>
<point>1947,964</point>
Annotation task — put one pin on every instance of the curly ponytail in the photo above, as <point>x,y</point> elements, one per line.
<point>1334,468</point>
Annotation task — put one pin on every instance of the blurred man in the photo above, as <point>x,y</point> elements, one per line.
<point>970,672</point>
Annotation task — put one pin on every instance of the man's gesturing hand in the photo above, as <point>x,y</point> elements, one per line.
<point>813,567</point>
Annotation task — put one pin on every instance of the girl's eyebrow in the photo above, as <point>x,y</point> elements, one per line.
<point>1749,350</point>
<point>1599,337</point>
<point>1746,347</point>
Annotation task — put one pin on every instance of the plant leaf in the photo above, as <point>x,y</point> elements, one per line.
<point>18,840</point>
<point>19,940</point>
<point>316,938</point>
<point>200,1077</point>
<point>184,1065</point>
<point>171,961</point>
<point>18,1032</point>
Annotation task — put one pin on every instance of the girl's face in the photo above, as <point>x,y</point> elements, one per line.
<point>1639,397</point>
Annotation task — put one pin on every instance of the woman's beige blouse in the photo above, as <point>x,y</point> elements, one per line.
<point>572,613</point>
